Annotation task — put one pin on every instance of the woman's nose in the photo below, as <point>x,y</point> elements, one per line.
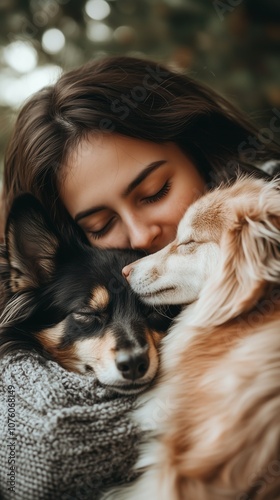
<point>143,236</point>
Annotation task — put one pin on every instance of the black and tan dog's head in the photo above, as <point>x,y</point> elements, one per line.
<point>70,302</point>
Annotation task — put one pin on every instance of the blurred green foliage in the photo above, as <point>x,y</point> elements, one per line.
<point>232,45</point>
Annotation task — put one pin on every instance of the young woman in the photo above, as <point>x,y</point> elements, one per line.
<point>120,147</point>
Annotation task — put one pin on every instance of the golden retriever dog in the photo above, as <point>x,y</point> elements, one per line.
<point>212,420</point>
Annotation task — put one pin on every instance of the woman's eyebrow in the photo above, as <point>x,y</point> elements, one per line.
<point>142,175</point>
<point>131,186</point>
<point>86,213</point>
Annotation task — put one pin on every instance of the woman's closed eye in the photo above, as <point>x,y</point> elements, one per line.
<point>159,195</point>
<point>101,232</point>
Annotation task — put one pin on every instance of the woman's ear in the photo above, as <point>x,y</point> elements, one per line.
<point>31,242</point>
<point>250,253</point>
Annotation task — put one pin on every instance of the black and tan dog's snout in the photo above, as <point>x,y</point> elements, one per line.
<point>132,364</point>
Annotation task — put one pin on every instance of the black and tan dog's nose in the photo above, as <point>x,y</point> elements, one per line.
<point>132,365</point>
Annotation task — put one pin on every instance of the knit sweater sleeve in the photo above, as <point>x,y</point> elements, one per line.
<point>68,438</point>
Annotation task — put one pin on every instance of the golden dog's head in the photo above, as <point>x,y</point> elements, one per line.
<point>226,253</point>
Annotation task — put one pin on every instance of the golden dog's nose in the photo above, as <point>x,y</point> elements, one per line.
<point>126,271</point>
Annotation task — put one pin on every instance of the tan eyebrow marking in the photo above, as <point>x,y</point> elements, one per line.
<point>96,351</point>
<point>100,298</point>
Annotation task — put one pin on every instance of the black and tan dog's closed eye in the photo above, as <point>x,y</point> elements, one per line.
<point>70,302</point>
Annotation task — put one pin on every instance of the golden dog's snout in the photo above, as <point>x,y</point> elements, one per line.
<point>126,271</point>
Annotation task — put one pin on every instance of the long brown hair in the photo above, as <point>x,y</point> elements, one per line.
<point>129,96</point>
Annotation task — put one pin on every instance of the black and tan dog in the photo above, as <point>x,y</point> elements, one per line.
<point>69,301</point>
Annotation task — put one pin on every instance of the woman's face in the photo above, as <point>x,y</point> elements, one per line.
<point>129,193</point>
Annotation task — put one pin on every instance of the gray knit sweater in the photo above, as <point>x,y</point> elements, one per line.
<point>68,438</point>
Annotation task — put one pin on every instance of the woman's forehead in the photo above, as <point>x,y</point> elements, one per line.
<point>107,164</point>
<point>101,147</point>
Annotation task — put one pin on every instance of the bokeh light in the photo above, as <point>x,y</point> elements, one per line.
<point>97,9</point>
<point>125,35</point>
<point>53,41</point>
<point>99,32</point>
<point>20,56</point>
<point>13,91</point>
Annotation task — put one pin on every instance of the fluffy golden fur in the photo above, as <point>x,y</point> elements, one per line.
<point>214,416</point>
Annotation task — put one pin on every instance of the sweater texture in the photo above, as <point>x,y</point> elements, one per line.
<point>69,437</point>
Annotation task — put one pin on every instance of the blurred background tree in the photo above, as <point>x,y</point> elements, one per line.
<point>232,45</point>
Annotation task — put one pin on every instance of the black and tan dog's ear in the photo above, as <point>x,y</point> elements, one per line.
<point>31,243</point>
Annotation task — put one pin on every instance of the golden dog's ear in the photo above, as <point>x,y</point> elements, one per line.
<point>250,257</point>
